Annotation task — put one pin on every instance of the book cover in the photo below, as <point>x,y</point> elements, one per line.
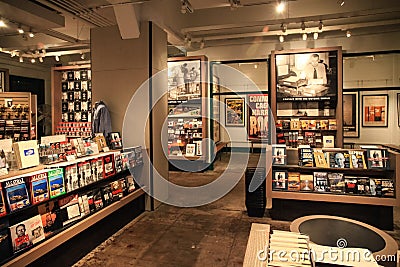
<point>26,233</point>
<point>118,162</point>
<point>56,182</point>
<point>305,124</point>
<point>97,199</point>
<point>124,187</point>
<point>38,187</point>
<point>312,125</point>
<point>69,210</point>
<point>109,168</point>
<point>306,157</point>
<point>107,195</point>
<point>384,187</point>
<point>350,185</point>
<point>130,183</point>
<point>295,124</point>
<point>6,250</point>
<point>328,141</point>
<point>377,158</point>
<point>323,124</point>
<point>337,159</point>
<point>306,182</point>
<point>332,124</point>
<point>48,213</point>
<point>97,168</point>
<point>71,177</point>
<point>278,154</point>
<point>357,160</point>
<point>280,180</point>
<point>310,139</point>
<point>16,193</point>
<point>3,210</point>
<point>84,207</point>
<point>321,182</point>
<point>363,186</point>
<point>336,182</point>
<point>294,181</point>
<point>116,190</point>
<point>319,158</point>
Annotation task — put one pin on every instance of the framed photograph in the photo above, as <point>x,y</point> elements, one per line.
<point>184,81</point>
<point>351,123</point>
<point>234,112</point>
<point>398,108</point>
<point>375,110</point>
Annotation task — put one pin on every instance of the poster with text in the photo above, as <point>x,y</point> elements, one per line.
<point>258,121</point>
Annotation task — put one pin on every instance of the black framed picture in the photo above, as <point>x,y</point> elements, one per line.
<point>351,114</point>
<point>234,112</point>
<point>184,81</point>
<point>375,110</point>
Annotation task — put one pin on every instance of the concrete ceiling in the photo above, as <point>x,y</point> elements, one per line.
<point>64,25</point>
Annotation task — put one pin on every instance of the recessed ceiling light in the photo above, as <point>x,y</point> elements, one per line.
<point>348,34</point>
<point>280,7</point>
<point>315,35</point>
<point>304,36</point>
<point>281,38</point>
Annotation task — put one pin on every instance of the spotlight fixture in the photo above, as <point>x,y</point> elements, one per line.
<point>281,38</point>
<point>283,28</point>
<point>315,35</point>
<point>186,7</point>
<point>348,34</point>
<point>83,56</point>
<point>340,2</point>
<point>57,58</point>
<point>280,7</point>
<point>304,36</point>
<point>13,54</point>
<point>31,34</point>
<point>320,25</point>
<point>2,23</point>
<point>202,44</point>
<point>33,60</point>
<point>21,59</point>
<point>234,4</point>
<point>20,30</point>
<point>41,59</point>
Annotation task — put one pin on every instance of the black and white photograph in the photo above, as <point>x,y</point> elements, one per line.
<point>375,159</point>
<point>279,180</point>
<point>184,80</point>
<point>279,155</point>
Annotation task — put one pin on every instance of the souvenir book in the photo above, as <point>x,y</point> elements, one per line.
<point>109,168</point>
<point>6,250</point>
<point>38,187</point>
<point>26,153</point>
<point>280,180</point>
<point>130,184</point>
<point>338,159</point>
<point>357,160</point>
<point>71,177</point>
<point>377,158</point>
<point>48,213</point>
<point>16,193</point>
<point>306,182</point>
<point>319,158</point>
<point>321,182</point>
<point>306,157</point>
<point>84,204</point>
<point>279,155</point>
<point>350,184</point>
<point>293,181</point>
<point>3,210</point>
<point>26,233</point>
<point>69,210</point>
<point>56,182</point>
<point>336,182</point>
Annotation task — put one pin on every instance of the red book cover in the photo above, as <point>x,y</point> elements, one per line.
<point>2,203</point>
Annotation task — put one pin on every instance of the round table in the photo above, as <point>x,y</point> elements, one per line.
<point>336,231</point>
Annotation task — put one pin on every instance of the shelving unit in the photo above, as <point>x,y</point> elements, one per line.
<point>187,123</point>
<point>302,203</point>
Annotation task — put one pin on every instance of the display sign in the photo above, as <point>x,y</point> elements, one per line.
<point>258,121</point>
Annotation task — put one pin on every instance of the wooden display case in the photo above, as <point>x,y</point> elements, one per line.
<point>346,203</point>
<point>314,99</point>
<point>187,122</point>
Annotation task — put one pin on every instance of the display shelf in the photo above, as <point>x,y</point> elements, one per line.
<point>372,172</point>
<point>339,198</point>
<point>49,244</point>
<point>183,157</point>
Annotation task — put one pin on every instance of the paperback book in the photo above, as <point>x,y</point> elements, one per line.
<point>27,233</point>
<point>321,182</point>
<point>338,159</point>
<point>109,168</point>
<point>280,180</point>
<point>306,182</point>
<point>48,213</point>
<point>278,154</point>
<point>69,210</point>
<point>319,158</point>
<point>336,182</point>
<point>17,194</point>
<point>71,177</point>
<point>56,182</point>
<point>306,157</point>
<point>357,160</point>
<point>350,185</point>
<point>294,181</point>
<point>38,187</point>
<point>377,158</point>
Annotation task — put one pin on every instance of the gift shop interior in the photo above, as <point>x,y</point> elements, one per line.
<point>199,132</point>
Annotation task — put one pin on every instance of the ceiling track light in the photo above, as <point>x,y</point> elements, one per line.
<point>315,35</point>
<point>340,2</point>
<point>57,58</point>
<point>320,25</point>
<point>234,4</point>
<point>348,34</point>
<point>21,59</point>
<point>186,7</point>
<point>31,34</point>
<point>281,38</point>
<point>304,36</point>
